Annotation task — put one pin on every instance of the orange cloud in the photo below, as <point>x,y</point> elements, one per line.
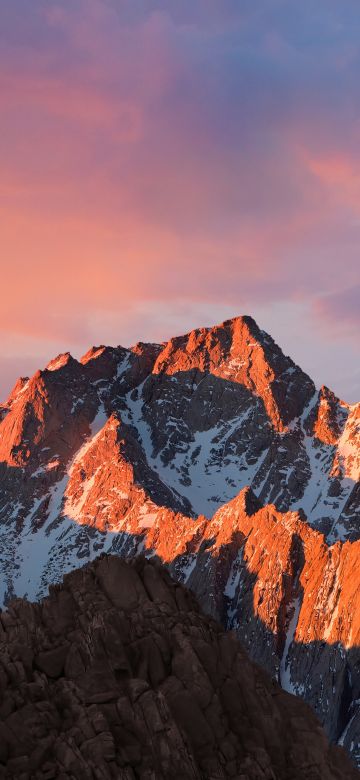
<point>122,118</point>
<point>340,174</point>
<point>152,154</point>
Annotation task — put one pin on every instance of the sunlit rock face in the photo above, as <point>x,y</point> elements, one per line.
<point>118,674</point>
<point>215,452</point>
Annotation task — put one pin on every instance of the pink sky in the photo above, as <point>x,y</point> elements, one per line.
<point>167,165</point>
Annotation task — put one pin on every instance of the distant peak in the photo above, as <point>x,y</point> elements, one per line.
<point>93,353</point>
<point>63,359</point>
<point>328,417</point>
<point>325,394</point>
<point>143,346</point>
<point>240,319</point>
<point>19,387</point>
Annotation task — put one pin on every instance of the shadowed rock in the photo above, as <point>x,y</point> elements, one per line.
<point>117,674</point>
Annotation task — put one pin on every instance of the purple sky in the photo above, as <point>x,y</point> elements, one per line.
<point>166,165</point>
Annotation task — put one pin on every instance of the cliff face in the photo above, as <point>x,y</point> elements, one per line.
<point>153,449</point>
<point>117,674</point>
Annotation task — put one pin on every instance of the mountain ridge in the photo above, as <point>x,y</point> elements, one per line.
<point>153,448</point>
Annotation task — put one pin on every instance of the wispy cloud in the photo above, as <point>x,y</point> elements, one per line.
<point>156,152</point>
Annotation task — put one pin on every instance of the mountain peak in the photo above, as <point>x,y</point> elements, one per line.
<point>19,387</point>
<point>152,448</point>
<point>246,502</point>
<point>63,359</point>
<point>93,353</point>
<point>240,321</point>
<point>238,351</point>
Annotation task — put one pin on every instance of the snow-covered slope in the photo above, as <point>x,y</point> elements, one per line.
<point>201,417</point>
<point>148,448</point>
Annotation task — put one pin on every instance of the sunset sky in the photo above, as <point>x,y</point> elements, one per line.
<point>165,165</point>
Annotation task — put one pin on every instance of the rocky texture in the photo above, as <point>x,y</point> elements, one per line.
<point>151,449</point>
<point>117,674</point>
<point>212,411</point>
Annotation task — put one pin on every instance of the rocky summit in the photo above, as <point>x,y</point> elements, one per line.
<point>216,453</point>
<point>118,674</point>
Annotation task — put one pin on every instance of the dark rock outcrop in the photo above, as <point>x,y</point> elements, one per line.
<point>117,674</point>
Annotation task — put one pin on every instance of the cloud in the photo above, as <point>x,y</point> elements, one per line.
<point>160,152</point>
<point>341,311</point>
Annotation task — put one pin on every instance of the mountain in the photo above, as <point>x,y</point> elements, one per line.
<point>117,674</point>
<point>217,453</point>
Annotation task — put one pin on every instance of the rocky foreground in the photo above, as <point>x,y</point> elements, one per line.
<point>117,674</point>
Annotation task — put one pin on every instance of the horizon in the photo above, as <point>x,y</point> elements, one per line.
<point>167,166</point>
<point>79,353</point>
